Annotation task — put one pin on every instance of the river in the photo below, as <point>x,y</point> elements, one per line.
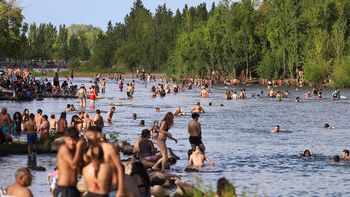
<point>237,137</point>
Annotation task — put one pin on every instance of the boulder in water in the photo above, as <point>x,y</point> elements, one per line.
<point>55,145</point>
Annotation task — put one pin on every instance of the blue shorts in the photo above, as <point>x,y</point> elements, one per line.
<point>5,128</point>
<point>32,138</point>
<point>112,193</point>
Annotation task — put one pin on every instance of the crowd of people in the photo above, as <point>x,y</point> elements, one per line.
<point>86,152</point>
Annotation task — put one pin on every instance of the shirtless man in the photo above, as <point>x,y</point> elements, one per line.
<point>204,93</point>
<point>97,173</point>
<point>32,136</point>
<point>195,131</point>
<point>103,86</point>
<point>110,115</point>
<point>5,122</point>
<point>39,118</point>
<point>197,159</point>
<point>345,155</point>
<point>68,157</point>
<point>94,135</point>
<point>98,120</point>
<point>62,123</point>
<point>197,108</point>
<point>87,121</point>
<point>20,187</point>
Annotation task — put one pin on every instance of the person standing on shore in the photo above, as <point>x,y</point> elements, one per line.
<point>5,122</point>
<point>20,187</point>
<point>195,131</point>
<point>68,157</point>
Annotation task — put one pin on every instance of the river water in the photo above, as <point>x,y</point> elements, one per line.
<point>237,137</point>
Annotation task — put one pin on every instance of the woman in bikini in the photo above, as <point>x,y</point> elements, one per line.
<point>164,133</point>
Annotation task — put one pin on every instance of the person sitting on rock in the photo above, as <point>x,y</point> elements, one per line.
<point>144,148</point>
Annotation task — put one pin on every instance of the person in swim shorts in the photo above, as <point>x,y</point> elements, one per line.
<point>195,131</point>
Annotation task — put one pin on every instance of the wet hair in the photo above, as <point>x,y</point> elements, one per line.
<point>53,116</point>
<point>24,111</point>
<point>31,116</point>
<point>45,117</point>
<point>336,158</point>
<point>22,171</point>
<point>112,108</point>
<point>224,187</point>
<point>68,105</point>
<point>39,111</point>
<point>277,126</point>
<point>63,115</point>
<point>94,129</point>
<point>189,152</point>
<point>145,133</point>
<point>169,119</point>
<point>307,153</point>
<point>221,105</point>
<point>98,111</point>
<point>4,110</point>
<point>134,115</point>
<point>139,169</point>
<point>142,122</point>
<point>72,133</point>
<point>195,115</point>
<point>326,126</point>
<point>97,156</point>
<point>346,152</point>
<point>19,116</point>
<point>210,104</point>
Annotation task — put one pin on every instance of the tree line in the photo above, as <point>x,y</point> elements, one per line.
<point>270,38</point>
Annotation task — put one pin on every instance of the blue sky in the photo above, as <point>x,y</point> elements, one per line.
<point>95,12</point>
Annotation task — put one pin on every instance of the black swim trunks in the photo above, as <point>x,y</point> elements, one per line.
<point>66,191</point>
<point>196,140</point>
<point>90,194</point>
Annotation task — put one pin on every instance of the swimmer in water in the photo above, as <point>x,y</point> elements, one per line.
<point>179,112</point>
<point>134,116</point>
<point>336,158</point>
<point>297,99</point>
<point>327,126</point>
<point>204,93</point>
<point>276,129</point>
<point>142,123</point>
<point>110,115</point>
<point>197,158</point>
<point>345,155</point>
<point>307,153</point>
<point>20,187</point>
<point>197,108</point>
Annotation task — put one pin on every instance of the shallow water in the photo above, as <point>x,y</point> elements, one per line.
<point>237,137</point>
